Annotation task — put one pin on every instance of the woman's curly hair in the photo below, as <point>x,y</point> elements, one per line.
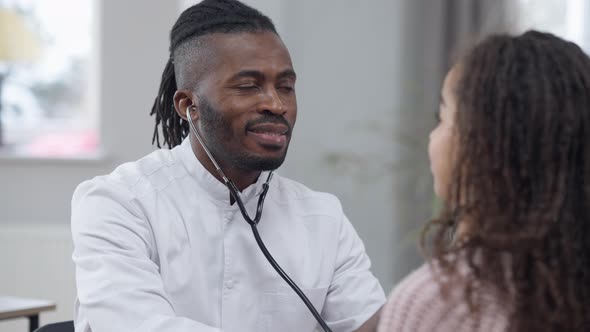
<point>521,181</point>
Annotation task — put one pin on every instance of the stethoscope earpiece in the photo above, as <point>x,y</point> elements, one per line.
<point>188,111</point>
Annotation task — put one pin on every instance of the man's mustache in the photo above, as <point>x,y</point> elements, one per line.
<point>269,119</point>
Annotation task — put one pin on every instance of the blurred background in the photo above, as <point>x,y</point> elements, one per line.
<point>78,78</point>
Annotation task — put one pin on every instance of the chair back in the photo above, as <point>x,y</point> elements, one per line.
<point>57,327</point>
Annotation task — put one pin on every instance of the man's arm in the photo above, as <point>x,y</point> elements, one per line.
<point>371,324</point>
<point>355,295</point>
<point>119,286</point>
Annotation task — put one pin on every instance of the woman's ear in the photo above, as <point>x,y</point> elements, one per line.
<point>183,100</point>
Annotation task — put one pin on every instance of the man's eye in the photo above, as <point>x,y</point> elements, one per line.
<point>286,88</point>
<point>247,87</point>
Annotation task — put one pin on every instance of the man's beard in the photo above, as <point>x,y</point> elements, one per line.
<point>216,132</point>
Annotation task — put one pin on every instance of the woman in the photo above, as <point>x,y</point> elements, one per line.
<point>511,162</point>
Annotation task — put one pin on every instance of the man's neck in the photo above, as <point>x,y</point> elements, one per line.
<point>241,178</point>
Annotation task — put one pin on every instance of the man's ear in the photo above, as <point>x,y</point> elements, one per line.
<point>184,99</point>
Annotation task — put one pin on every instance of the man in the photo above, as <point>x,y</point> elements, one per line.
<point>161,245</point>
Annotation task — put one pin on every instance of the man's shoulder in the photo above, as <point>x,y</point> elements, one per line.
<point>293,192</point>
<point>151,172</point>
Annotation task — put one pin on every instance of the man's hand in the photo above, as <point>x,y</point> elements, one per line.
<point>371,324</point>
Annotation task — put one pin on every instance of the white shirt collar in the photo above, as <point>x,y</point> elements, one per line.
<point>214,187</point>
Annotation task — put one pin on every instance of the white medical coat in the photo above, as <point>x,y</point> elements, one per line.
<point>158,247</point>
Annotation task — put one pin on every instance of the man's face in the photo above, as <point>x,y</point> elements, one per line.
<point>247,105</point>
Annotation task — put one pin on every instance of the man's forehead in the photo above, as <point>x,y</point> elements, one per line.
<point>224,54</point>
<point>241,49</point>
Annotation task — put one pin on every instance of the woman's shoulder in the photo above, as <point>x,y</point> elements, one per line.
<point>417,303</point>
<point>409,300</point>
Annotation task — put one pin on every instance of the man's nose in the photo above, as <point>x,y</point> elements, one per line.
<point>273,103</point>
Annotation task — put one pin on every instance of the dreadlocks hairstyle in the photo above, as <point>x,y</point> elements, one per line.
<point>521,182</point>
<point>207,17</point>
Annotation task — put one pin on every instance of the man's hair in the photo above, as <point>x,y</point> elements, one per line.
<point>207,17</point>
<point>521,182</point>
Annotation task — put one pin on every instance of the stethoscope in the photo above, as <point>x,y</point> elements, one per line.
<point>234,192</point>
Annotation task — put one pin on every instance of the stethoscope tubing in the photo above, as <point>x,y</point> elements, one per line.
<point>234,192</point>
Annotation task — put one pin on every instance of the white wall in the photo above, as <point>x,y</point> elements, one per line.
<point>36,263</point>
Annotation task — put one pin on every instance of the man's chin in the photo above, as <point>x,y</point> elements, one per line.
<point>261,163</point>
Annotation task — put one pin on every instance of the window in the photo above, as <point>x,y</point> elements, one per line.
<point>562,18</point>
<point>48,100</point>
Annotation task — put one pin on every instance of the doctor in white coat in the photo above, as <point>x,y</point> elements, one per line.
<point>161,245</point>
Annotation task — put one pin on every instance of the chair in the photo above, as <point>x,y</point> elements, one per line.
<point>57,327</point>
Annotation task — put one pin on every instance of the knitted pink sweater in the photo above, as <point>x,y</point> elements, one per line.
<point>417,305</point>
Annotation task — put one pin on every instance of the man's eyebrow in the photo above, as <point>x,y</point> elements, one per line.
<point>287,73</point>
<point>256,74</point>
<point>248,74</point>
